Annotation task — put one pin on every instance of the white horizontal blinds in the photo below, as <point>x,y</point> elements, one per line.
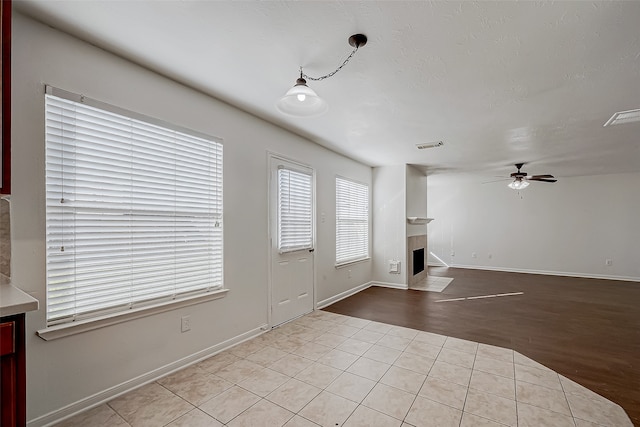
<point>352,221</point>
<point>295,210</point>
<point>133,212</point>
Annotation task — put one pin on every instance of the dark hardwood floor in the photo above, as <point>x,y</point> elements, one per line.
<point>585,329</point>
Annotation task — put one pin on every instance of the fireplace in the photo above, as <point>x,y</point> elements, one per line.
<point>418,261</point>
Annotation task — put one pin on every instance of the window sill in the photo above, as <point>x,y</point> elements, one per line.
<point>78,327</point>
<point>355,261</point>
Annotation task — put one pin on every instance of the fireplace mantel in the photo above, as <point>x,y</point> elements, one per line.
<point>418,220</point>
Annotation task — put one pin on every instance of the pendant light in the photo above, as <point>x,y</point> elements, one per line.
<point>301,100</point>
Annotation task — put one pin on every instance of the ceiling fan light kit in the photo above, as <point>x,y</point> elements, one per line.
<point>518,184</point>
<point>301,100</point>
<point>521,179</point>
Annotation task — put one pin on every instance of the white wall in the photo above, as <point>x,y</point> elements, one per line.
<point>416,200</point>
<point>389,223</point>
<point>399,191</point>
<point>69,370</point>
<point>570,227</point>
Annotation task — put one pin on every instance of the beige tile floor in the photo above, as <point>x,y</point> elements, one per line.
<point>332,370</point>
<point>432,283</point>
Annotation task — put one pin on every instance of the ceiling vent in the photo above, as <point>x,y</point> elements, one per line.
<point>430,145</point>
<point>622,117</point>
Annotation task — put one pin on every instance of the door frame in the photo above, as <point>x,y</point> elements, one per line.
<point>273,157</point>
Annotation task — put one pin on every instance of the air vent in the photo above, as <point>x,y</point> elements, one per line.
<point>622,117</point>
<point>430,145</point>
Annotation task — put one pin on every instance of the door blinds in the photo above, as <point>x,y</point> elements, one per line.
<point>295,210</point>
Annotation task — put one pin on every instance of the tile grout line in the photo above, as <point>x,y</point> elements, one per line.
<point>466,395</point>
<point>515,388</point>
<point>566,399</point>
<point>413,402</point>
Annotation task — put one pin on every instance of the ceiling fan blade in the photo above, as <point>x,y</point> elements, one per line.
<point>542,179</point>
<point>540,176</point>
<point>497,180</point>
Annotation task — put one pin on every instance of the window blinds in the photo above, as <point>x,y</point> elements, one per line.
<point>295,210</point>
<point>352,221</point>
<point>133,211</point>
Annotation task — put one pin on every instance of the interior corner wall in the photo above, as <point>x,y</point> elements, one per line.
<point>389,224</point>
<point>570,227</point>
<point>66,372</point>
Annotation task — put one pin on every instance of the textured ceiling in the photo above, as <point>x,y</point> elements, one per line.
<point>498,82</point>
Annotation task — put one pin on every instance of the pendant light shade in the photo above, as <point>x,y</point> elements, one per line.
<point>301,101</point>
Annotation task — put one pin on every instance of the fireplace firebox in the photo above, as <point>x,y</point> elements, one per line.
<point>418,261</point>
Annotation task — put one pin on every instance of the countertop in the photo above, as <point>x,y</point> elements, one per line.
<point>13,300</point>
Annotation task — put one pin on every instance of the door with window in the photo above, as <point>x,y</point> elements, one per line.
<point>292,239</point>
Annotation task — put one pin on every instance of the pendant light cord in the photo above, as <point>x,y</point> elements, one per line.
<point>326,76</point>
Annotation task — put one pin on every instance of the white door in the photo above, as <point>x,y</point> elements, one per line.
<point>292,239</point>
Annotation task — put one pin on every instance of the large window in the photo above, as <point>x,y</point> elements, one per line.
<point>133,210</point>
<point>352,221</point>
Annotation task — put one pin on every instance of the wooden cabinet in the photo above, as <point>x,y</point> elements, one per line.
<point>12,371</point>
<point>5,82</point>
<point>14,303</point>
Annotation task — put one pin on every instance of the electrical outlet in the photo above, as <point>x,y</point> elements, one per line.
<point>608,262</point>
<point>474,255</point>
<point>394,267</point>
<point>185,323</point>
<point>348,274</point>
<point>490,256</point>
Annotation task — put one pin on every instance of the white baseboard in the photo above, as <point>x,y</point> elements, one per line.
<point>436,264</point>
<point>548,273</point>
<point>129,385</point>
<point>342,295</point>
<point>327,302</point>
<point>390,285</point>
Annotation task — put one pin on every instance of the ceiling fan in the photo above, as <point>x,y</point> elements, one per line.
<point>521,179</point>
